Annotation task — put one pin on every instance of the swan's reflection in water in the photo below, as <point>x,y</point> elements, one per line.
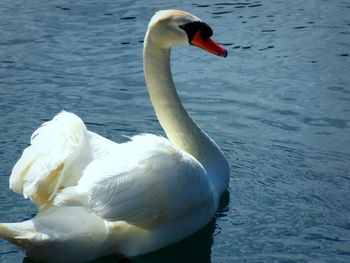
<point>195,248</point>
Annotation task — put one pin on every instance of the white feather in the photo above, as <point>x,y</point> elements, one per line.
<point>97,197</point>
<point>151,173</point>
<point>60,149</point>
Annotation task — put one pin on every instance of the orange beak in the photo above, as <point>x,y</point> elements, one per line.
<point>208,45</point>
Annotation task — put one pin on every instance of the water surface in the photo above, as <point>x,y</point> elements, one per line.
<point>279,107</point>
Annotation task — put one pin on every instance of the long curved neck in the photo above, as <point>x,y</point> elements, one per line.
<point>180,129</point>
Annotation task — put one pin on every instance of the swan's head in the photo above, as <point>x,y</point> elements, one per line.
<point>168,28</point>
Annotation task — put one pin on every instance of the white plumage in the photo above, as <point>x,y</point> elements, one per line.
<point>96,197</point>
<point>60,150</point>
<point>150,170</point>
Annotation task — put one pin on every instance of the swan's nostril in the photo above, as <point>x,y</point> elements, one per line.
<point>208,44</point>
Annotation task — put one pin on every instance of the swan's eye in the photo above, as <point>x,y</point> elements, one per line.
<point>197,26</point>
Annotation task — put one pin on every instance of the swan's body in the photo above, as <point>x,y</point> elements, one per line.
<point>98,197</point>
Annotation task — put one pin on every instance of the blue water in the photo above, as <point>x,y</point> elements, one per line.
<point>279,106</point>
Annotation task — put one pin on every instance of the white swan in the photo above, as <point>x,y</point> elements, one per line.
<point>96,197</point>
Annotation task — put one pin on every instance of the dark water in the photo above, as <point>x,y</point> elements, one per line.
<point>279,106</point>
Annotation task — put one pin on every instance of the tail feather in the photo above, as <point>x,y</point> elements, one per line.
<point>21,234</point>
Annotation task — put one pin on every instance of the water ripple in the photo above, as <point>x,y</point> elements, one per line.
<point>278,106</point>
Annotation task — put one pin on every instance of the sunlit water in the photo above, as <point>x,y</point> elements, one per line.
<point>279,106</point>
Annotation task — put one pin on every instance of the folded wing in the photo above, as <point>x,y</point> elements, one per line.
<point>144,181</point>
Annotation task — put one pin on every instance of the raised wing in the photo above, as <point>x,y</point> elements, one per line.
<point>60,149</point>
